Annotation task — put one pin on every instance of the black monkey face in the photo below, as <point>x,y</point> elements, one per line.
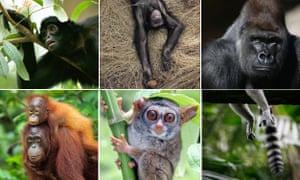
<point>156,19</point>
<point>50,35</point>
<point>261,53</point>
<point>50,42</point>
<point>58,36</point>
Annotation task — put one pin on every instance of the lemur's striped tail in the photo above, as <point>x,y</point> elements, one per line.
<point>273,150</point>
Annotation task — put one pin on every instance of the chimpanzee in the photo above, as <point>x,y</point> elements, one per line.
<point>153,14</point>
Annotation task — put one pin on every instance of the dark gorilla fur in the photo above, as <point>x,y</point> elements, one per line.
<point>257,51</point>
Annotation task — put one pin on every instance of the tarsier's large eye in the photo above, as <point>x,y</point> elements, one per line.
<point>152,115</point>
<point>52,28</point>
<point>169,117</point>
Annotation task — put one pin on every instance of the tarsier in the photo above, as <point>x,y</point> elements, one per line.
<point>267,119</point>
<point>154,140</point>
<point>153,14</point>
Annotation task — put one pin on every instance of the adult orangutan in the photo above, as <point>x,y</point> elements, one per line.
<point>67,147</point>
<point>43,159</point>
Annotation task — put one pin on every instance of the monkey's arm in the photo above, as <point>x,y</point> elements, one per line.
<point>141,43</point>
<point>175,28</point>
<point>121,146</point>
<point>244,112</point>
<point>259,98</point>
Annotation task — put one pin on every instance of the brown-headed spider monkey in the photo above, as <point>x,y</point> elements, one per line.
<point>152,14</point>
<point>66,42</point>
<point>257,51</point>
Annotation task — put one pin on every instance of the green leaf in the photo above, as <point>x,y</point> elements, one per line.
<point>40,2</point>
<point>81,7</point>
<point>13,54</point>
<point>60,12</point>
<point>181,100</point>
<point>58,1</point>
<point>194,157</point>
<point>12,36</point>
<point>3,66</point>
<point>189,136</point>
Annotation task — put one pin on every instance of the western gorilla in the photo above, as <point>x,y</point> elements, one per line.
<point>257,51</point>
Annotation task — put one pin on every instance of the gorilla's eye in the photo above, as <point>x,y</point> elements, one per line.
<point>169,117</point>
<point>52,28</point>
<point>256,40</point>
<point>152,115</point>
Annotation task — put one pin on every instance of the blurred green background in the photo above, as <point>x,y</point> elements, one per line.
<point>228,154</point>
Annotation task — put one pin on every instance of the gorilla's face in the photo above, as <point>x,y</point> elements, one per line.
<point>261,53</point>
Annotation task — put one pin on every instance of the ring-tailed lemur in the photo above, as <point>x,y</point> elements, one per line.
<point>266,119</point>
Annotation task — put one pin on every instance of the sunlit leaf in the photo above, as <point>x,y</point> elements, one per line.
<point>13,54</point>
<point>40,2</point>
<point>194,157</point>
<point>81,7</point>
<point>12,36</point>
<point>3,66</point>
<point>60,12</point>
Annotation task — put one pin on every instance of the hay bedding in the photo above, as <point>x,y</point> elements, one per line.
<point>120,66</point>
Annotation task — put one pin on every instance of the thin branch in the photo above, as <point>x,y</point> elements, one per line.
<point>17,40</point>
<point>30,37</point>
<point>21,28</point>
<point>239,96</point>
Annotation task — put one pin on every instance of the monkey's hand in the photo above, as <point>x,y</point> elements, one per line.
<point>267,118</point>
<point>121,145</point>
<point>249,131</point>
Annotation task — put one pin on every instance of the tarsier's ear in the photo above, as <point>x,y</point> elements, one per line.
<point>138,106</point>
<point>187,113</point>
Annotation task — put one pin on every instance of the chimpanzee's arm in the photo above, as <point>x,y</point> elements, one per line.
<point>175,28</point>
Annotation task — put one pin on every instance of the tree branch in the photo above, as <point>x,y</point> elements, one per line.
<point>239,96</point>
<point>22,29</point>
<point>17,40</point>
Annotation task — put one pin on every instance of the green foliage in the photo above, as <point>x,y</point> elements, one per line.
<point>228,154</point>
<point>81,7</point>
<point>3,66</point>
<point>194,157</point>
<point>11,54</point>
